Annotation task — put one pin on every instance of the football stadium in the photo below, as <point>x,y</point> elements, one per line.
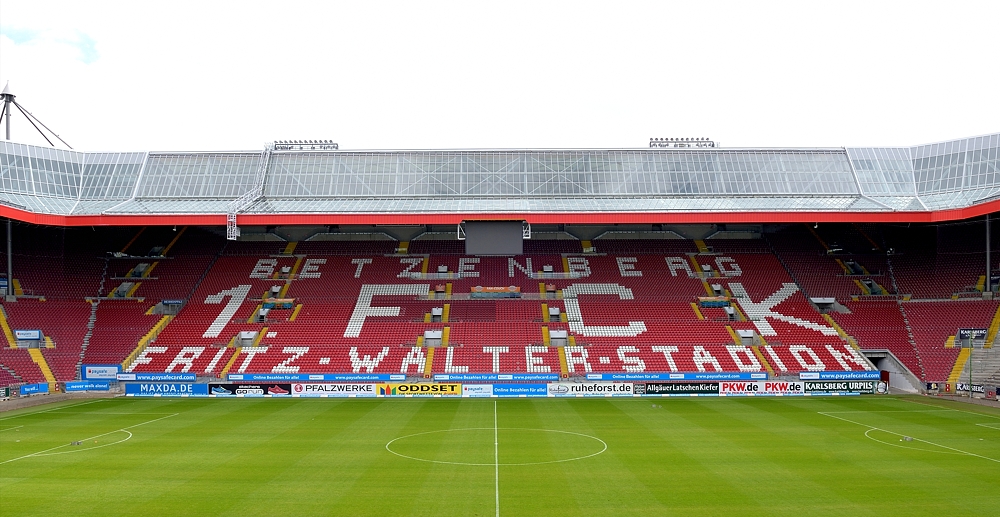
<point>678,329</point>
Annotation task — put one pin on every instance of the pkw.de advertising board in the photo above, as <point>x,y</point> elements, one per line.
<point>761,388</point>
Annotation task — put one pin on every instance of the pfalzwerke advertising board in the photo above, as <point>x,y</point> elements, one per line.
<point>332,390</point>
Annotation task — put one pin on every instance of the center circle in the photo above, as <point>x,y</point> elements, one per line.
<point>516,446</point>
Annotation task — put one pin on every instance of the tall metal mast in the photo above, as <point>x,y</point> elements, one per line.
<point>8,99</point>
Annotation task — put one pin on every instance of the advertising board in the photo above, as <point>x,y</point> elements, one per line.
<point>100,372</point>
<point>589,389</point>
<point>840,376</point>
<point>477,390</point>
<point>332,390</point>
<point>976,388</point>
<point>315,377</point>
<point>496,377</point>
<point>166,389</point>
<point>972,333</point>
<point>34,389</point>
<point>250,390</point>
<point>28,335</point>
<point>677,376</point>
<point>677,388</point>
<point>424,390</point>
<point>87,386</point>
<point>520,390</point>
<point>845,387</point>
<point>760,388</point>
<point>157,377</point>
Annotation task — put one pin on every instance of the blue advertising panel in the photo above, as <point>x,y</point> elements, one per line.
<point>28,335</point>
<point>677,376</point>
<point>87,386</point>
<point>100,372</point>
<point>520,390</point>
<point>328,377</point>
<point>34,389</point>
<point>157,377</point>
<point>861,375</point>
<point>166,389</point>
<point>495,377</point>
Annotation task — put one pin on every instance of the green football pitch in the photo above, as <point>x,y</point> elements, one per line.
<point>384,457</point>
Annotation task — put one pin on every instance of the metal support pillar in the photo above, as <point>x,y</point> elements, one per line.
<point>10,260</point>
<point>989,266</point>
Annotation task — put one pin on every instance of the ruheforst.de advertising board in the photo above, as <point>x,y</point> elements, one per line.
<point>590,389</point>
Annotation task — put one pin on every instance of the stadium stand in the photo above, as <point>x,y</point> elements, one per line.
<point>340,276</point>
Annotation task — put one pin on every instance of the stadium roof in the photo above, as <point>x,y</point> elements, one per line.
<point>944,181</point>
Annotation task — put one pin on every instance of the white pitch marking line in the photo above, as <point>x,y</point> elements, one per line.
<point>43,453</point>
<point>890,411</point>
<point>9,428</point>
<point>388,447</point>
<point>959,410</point>
<point>988,426</point>
<point>871,427</point>
<point>50,410</point>
<point>496,457</point>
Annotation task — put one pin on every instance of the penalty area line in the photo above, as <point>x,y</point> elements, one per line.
<point>47,452</point>
<point>959,410</point>
<point>873,428</point>
<point>60,408</point>
<point>11,428</point>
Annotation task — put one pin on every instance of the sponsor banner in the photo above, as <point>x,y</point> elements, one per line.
<point>157,377</point>
<point>991,393</point>
<point>590,389</point>
<point>845,376</point>
<point>100,372</point>
<point>477,390</point>
<point>493,289</point>
<point>496,377</point>
<point>845,387</point>
<point>34,389</point>
<point>677,376</point>
<point>28,335</point>
<point>327,377</point>
<point>166,389</point>
<point>87,386</point>
<point>760,388</point>
<point>250,390</point>
<point>976,388</point>
<point>425,390</point>
<point>520,390</point>
<point>972,333</point>
<point>332,390</point>
<point>677,388</point>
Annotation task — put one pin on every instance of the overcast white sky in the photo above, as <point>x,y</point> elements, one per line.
<point>212,75</point>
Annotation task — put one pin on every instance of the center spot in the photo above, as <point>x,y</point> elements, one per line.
<point>516,446</point>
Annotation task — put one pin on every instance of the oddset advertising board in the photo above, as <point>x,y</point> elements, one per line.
<point>419,390</point>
